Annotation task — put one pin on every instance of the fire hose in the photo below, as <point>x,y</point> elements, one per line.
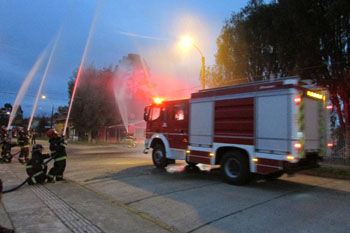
<point>13,155</point>
<point>24,182</point>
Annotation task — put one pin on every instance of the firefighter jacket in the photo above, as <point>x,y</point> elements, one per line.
<point>37,161</point>
<point>36,168</point>
<point>3,136</point>
<point>58,149</point>
<point>23,140</point>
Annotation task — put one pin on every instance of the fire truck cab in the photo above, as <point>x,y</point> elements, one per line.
<point>263,128</point>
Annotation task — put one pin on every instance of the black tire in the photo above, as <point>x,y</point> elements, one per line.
<point>235,168</point>
<point>158,156</point>
<point>274,176</point>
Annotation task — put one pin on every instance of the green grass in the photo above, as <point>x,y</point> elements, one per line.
<point>329,172</point>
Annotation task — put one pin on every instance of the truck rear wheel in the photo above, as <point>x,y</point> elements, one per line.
<point>235,168</point>
<point>158,156</point>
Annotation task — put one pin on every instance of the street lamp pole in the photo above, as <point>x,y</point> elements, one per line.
<point>187,41</point>
<point>203,73</point>
<point>52,110</point>
<point>53,107</point>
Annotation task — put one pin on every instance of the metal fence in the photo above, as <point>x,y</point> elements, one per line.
<point>338,156</point>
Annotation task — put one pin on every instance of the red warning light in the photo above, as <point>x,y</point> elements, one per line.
<point>297,145</point>
<point>330,144</point>
<point>329,107</point>
<point>297,100</point>
<point>158,100</point>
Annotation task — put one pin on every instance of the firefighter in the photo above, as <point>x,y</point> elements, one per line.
<point>58,153</point>
<point>23,142</point>
<point>3,132</point>
<point>36,168</point>
<point>5,142</point>
<point>131,141</point>
<point>6,156</point>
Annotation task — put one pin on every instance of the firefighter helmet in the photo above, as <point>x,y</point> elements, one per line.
<point>51,133</point>
<point>37,147</point>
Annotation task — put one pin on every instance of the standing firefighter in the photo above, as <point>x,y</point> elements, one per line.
<point>5,146</point>
<point>23,142</point>
<point>36,168</point>
<point>58,153</point>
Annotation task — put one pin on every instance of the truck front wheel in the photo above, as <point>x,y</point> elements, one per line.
<point>235,168</point>
<point>158,156</point>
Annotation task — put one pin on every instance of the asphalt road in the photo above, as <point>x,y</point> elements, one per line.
<point>196,200</point>
<point>117,189</point>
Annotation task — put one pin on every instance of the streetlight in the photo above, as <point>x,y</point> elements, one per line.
<point>187,42</point>
<point>44,97</point>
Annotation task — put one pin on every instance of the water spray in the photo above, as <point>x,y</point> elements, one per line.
<point>93,23</point>
<point>44,78</point>
<point>120,97</point>
<point>25,85</point>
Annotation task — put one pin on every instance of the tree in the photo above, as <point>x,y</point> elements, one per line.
<point>5,114</point>
<point>18,121</point>
<point>43,123</point>
<point>94,103</point>
<point>308,38</point>
<point>62,110</point>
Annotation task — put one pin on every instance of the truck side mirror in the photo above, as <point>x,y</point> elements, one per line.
<point>146,113</point>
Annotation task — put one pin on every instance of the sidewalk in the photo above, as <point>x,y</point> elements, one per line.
<point>65,207</point>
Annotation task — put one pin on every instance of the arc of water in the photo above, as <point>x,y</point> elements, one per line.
<point>92,28</point>
<point>53,49</point>
<point>120,97</point>
<point>25,85</point>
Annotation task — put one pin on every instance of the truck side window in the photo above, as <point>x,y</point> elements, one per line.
<point>179,112</point>
<point>155,113</point>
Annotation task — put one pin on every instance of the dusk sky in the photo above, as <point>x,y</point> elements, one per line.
<point>150,28</point>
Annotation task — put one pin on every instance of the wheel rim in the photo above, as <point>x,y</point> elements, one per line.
<point>158,156</point>
<point>232,167</point>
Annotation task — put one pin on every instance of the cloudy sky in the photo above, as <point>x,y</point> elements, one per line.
<point>150,28</point>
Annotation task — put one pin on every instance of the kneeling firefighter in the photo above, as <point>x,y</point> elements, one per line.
<point>58,153</point>
<point>36,168</point>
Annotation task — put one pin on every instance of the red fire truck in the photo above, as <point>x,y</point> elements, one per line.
<point>263,128</point>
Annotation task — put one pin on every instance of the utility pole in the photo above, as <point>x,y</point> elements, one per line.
<point>51,125</point>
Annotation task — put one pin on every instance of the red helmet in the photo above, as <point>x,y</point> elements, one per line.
<point>51,133</point>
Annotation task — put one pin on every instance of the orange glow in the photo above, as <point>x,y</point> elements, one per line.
<point>297,145</point>
<point>255,160</point>
<point>211,154</point>
<point>157,100</point>
<point>330,144</point>
<point>290,157</point>
<point>329,107</point>
<point>297,100</point>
